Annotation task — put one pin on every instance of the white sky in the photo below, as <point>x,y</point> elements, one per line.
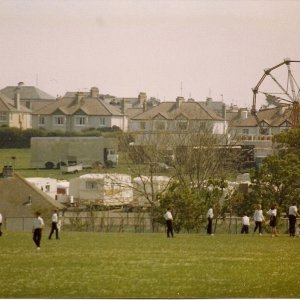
<point>124,47</point>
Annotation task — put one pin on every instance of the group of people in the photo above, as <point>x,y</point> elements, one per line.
<point>258,219</point>
<point>38,225</point>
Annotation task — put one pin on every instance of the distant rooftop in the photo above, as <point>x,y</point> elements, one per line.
<point>27,93</point>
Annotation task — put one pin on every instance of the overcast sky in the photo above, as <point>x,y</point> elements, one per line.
<point>213,48</point>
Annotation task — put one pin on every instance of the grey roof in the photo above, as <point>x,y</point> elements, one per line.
<point>8,105</point>
<point>69,106</point>
<point>170,111</point>
<point>14,192</point>
<point>272,116</point>
<point>27,93</point>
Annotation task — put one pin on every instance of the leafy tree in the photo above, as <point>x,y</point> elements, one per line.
<point>277,181</point>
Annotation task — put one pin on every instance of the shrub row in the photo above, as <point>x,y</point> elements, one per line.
<point>17,138</point>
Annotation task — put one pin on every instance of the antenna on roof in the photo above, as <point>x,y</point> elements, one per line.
<point>181,88</point>
<point>37,80</point>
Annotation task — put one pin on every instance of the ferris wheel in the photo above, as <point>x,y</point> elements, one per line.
<point>278,87</point>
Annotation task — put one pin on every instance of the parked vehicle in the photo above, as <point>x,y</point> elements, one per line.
<point>56,152</point>
<point>71,168</point>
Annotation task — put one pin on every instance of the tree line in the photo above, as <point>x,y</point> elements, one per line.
<point>11,137</point>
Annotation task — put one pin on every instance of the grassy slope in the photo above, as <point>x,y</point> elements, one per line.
<point>112,265</point>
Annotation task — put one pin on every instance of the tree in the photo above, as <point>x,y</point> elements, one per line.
<point>278,180</point>
<point>190,159</point>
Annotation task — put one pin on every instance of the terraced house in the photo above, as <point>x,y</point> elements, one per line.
<point>178,116</point>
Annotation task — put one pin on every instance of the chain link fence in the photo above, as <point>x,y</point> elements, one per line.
<point>133,223</point>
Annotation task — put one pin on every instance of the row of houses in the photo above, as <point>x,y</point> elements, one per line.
<point>28,107</point>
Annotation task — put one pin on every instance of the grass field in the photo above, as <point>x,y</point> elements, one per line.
<point>131,265</point>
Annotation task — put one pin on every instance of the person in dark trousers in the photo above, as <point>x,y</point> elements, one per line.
<point>54,227</point>
<point>38,225</point>
<point>245,224</point>
<point>210,215</point>
<point>258,219</point>
<point>169,222</point>
<point>0,224</point>
<point>293,219</point>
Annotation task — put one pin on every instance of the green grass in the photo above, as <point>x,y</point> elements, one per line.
<point>128,265</point>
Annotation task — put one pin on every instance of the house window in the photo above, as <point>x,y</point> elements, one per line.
<point>102,122</point>
<point>245,131</point>
<point>80,121</point>
<point>41,120</point>
<point>3,117</point>
<point>59,120</point>
<point>91,185</point>
<point>160,125</point>
<point>182,124</point>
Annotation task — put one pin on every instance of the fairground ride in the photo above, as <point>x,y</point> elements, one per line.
<point>277,88</point>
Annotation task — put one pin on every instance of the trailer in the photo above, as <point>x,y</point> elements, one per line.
<point>54,152</point>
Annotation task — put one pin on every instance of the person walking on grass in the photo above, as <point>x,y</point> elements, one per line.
<point>293,213</point>
<point>258,219</point>
<point>209,215</point>
<point>169,222</point>
<point>54,225</point>
<point>0,224</point>
<point>245,224</point>
<point>38,225</point>
<point>273,219</point>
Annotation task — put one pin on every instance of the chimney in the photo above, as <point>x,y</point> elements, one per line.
<point>124,106</point>
<point>94,93</point>
<point>243,113</point>
<point>144,106</point>
<point>142,99</point>
<point>17,95</point>
<point>179,101</point>
<point>282,110</point>
<point>79,97</point>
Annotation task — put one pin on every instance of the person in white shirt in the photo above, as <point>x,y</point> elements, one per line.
<point>209,215</point>
<point>0,224</point>
<point>273,219</point>
<point>258,219</point>
<point>245,224</point>
<point>169,222</point>
<point>54,227</point>
<point>293,213</point>
<point>38,225</point>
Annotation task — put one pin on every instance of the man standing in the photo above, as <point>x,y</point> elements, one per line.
<point>169,222</point>
<point>292,219</point>
<point>0,224</point>
<point>38,225</point>
<point>54,227</point>
<point>209,215</point>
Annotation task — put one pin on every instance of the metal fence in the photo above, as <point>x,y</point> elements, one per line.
<point>134,223</point>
